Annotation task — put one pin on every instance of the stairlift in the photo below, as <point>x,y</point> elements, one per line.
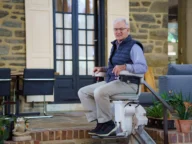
<point>129,115</point>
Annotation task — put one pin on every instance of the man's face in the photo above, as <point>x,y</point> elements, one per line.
<point>120,31</point>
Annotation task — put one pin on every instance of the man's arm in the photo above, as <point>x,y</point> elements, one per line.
<point>139,65</point>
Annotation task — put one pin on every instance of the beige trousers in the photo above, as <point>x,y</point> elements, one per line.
<point>95,98</point>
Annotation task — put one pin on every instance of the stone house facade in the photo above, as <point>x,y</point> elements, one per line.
<point>148,24</point>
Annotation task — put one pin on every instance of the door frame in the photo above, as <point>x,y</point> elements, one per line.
<point>182,37</point>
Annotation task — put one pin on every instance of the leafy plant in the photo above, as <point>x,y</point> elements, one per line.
<point>181,105</point>
<point>4,125</point>
<point>155,111</point>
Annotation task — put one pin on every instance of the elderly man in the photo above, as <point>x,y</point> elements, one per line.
<point>126,54</point>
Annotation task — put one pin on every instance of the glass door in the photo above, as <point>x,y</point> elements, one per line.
<point>76,46</point>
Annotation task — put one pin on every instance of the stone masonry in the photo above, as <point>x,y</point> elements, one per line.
<point>12,35</point>
<point>148,24</point>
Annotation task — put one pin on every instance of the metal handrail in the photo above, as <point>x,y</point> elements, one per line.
<point>165,107</point>
<point>39,79</point>
<point>5,79</point>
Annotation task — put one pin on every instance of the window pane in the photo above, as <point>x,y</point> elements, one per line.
<point>90,67</point>
<point>81,37</point>
<point>68,36</point>
<point>59,52</point>
<point>82,52</point>
<point>58,5</point>
<point>82,68</point>
<point>90,7</point>
<point>59,65</point>
<point>59,36</point>
<point>67,21</point>
<point>68,68</point>
<point>68,52</point>
<point>59,23</point>
<point>81,6</point>
<point>90,37</point>
<point>90,53</point>
<point>81,20</point>
<point>67,5</point>
<point>90,22</point>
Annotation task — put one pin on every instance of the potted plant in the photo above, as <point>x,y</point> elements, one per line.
<point>155,114</point>
<point>183,109</point>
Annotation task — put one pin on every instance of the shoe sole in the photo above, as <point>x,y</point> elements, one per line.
<point>113,130</point>
<point>92,133</point>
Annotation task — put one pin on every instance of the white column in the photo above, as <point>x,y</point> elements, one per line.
<point>115,9</point>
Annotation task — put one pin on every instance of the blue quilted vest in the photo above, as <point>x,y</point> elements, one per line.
<point>120,56</point>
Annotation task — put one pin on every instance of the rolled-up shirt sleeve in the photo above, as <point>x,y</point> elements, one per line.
<point>139,65</point>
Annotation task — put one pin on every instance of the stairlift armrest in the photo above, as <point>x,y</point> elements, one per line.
<point>99,74</point>
<point>124,72</point>
<point>127,73</point>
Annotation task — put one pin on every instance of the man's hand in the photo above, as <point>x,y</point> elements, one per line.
<point>118,68</point>
<point>97,69</point>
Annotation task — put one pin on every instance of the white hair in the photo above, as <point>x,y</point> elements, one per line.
<point>121,20</point>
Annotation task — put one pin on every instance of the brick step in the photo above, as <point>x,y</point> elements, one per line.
<point>64,136</point>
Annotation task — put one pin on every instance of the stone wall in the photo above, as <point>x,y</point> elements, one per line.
<point>12,35</point>
<point>148,24</point>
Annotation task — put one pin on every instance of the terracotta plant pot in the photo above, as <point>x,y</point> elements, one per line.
<point>183,126</point>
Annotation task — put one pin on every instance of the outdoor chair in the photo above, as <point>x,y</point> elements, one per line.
<point>178,80</point>
<point>5,89</point>
<point>37,82</point>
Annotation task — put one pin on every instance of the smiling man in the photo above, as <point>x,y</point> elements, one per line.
<point>126,54</point>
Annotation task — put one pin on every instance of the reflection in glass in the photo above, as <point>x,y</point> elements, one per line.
<point>68,52</point>
<point>81,21</point>
<point>90,37</point>
<point>173,32</point>
<point>59,20</point>
<point>59,52</point>
<point>81,6</point>
<point>68,36</point>
<point>90,53</point>
<point>90,22</point>
<point>90,67</point>
<point>67,5</point>
<point>59,65</point>
<point>90,7</point>
<point>68,68</point>
<point>82,68</point>
<point>58,5</point>
<point>67,21</point>
<point>59,36</point>
<point>82,52</point>
<point>81,37</point>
